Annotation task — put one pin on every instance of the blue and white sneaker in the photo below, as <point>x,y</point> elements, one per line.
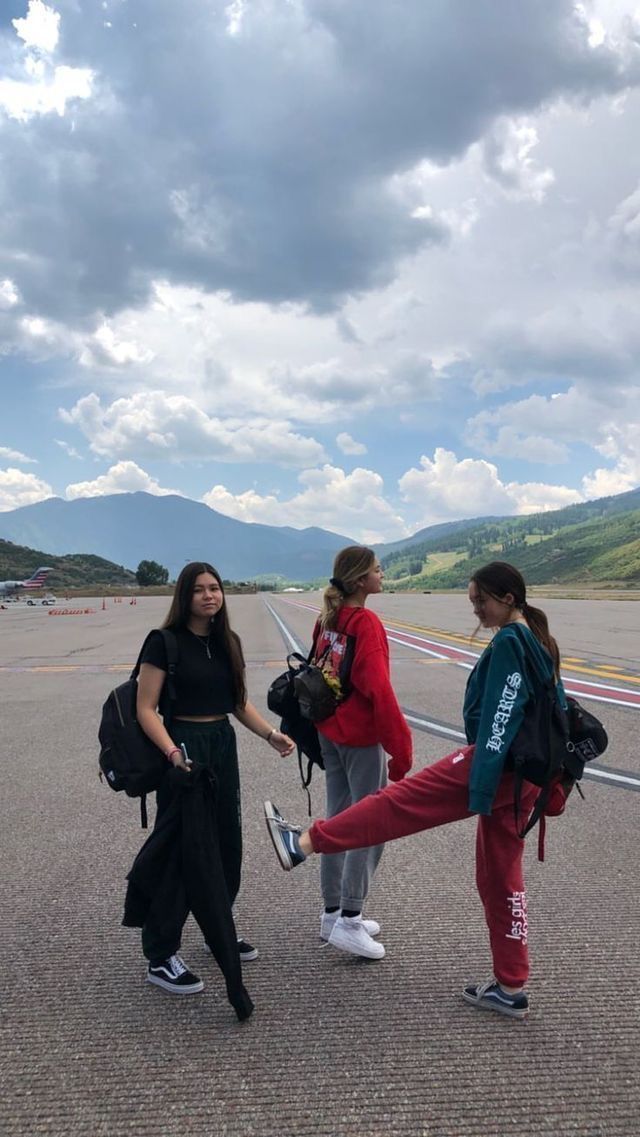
<point>490,997</point>
<point>284,837</point>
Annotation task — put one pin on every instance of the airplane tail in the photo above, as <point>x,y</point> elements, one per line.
<point>38,578</point>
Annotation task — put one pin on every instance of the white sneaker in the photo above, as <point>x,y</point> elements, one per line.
<point>328,919</point>
<point>350,934</point>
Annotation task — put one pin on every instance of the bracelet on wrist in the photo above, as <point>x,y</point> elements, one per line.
<point>271,734</point>
<point>172,750</point>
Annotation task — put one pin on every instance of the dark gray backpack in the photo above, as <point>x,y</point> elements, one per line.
<point>129,761</point>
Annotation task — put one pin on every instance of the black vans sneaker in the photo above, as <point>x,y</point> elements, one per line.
<point>247,952</point>
<point>173,975</point>
<point>490,997</point>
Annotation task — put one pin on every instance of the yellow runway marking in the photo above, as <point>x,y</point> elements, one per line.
<point>601,672</point>
<point>572,663</point>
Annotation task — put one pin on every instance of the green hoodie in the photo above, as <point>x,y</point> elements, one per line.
<point>504,679</point>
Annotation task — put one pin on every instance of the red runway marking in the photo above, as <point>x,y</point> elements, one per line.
<point>583,688</point>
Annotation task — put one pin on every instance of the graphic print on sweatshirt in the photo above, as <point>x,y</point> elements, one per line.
<point>334,652</point>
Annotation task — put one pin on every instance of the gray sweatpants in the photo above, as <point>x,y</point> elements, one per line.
<point>351,772</point>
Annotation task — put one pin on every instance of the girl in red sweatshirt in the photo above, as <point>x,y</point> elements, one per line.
<point>351,645</point>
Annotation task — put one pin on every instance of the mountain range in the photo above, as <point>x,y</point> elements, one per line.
<point>128,528</point>
<point>596,540</point>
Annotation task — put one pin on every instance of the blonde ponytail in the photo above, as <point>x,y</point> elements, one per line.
<point>349,567</point>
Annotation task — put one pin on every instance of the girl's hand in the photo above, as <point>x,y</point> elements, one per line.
<point>282,743</point>
<point>178,760</point>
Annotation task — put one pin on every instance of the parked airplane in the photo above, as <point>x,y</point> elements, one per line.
<point>10,587</point>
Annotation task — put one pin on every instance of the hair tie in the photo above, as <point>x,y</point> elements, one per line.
<point>337,583</point>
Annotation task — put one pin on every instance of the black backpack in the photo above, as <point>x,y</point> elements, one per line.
<point>323,683</point>
<point>309,691</point>
<point>551,745</point>
<point>282,699</point>
<point>128,759</point>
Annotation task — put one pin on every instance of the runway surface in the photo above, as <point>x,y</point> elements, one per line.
<point>337,1046</point>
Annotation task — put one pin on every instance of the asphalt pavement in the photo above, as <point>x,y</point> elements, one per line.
<point>337,1046</point>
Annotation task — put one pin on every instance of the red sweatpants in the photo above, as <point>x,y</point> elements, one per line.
<point>435,796</point>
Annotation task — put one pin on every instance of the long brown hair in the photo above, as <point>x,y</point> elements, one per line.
<point>349,566</point>
<point>496,580</point>
<point>222,635</point>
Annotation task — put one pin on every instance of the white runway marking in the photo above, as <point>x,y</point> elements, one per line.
<point>596,773</point>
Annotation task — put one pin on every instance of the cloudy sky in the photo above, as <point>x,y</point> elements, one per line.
<point>365,264</point>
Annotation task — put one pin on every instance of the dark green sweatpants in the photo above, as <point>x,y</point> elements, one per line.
<point>211,744</point>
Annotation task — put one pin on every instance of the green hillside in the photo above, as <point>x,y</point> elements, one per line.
<point>75,570</point>
<point>593,544</point>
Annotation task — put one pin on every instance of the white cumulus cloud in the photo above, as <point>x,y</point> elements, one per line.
<point>10,455</point>
<point>621,446</point>
<point>444,489</point>
<point>40,28</point>
<point>152,424</point>
<point>348,445</point>
<point>538,497</point>
<point>507,155</point>
<point>9,295</point>
<point>353,504</point>
<point>18,488</point>
<point>124,477</point>
<point>38,86</point>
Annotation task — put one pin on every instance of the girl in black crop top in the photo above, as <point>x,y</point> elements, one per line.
<point>210,685</point>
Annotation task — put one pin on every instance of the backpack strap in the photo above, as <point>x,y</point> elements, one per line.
<point>138,663</point>
<point>171,648</point>
<point>316,636</point>
<point>541,833</point>
<point>168,694</point>
<point>144,821</point>
<point>537,814</point>
<point>306,781</point>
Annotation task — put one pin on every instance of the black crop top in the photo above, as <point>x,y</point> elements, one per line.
<point>203,686</point>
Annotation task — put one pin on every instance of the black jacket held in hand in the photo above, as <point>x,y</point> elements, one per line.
<point>178,870</point>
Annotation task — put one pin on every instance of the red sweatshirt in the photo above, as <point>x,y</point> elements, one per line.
<point>370,713</point>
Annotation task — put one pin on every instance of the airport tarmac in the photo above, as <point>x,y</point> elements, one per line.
<point>337,1047</point>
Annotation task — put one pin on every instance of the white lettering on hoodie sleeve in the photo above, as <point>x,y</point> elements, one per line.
<point>503,711</point>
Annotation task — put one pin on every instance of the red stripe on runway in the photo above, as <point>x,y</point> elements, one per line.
<point>585,689</point>
<point>448,650</point>
<point>622,696</point>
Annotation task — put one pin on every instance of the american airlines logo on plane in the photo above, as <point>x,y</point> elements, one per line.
<point>37,580</point>
<point>10,587</point>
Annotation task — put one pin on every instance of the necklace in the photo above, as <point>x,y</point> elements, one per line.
<point>204,640</point>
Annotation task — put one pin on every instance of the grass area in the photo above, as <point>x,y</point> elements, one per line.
<point>438,561</point>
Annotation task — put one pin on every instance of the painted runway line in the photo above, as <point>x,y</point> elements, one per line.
<point>623,779</point>
<point>437,646</point>
<point>619,778</point>
<point>64,668</point>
